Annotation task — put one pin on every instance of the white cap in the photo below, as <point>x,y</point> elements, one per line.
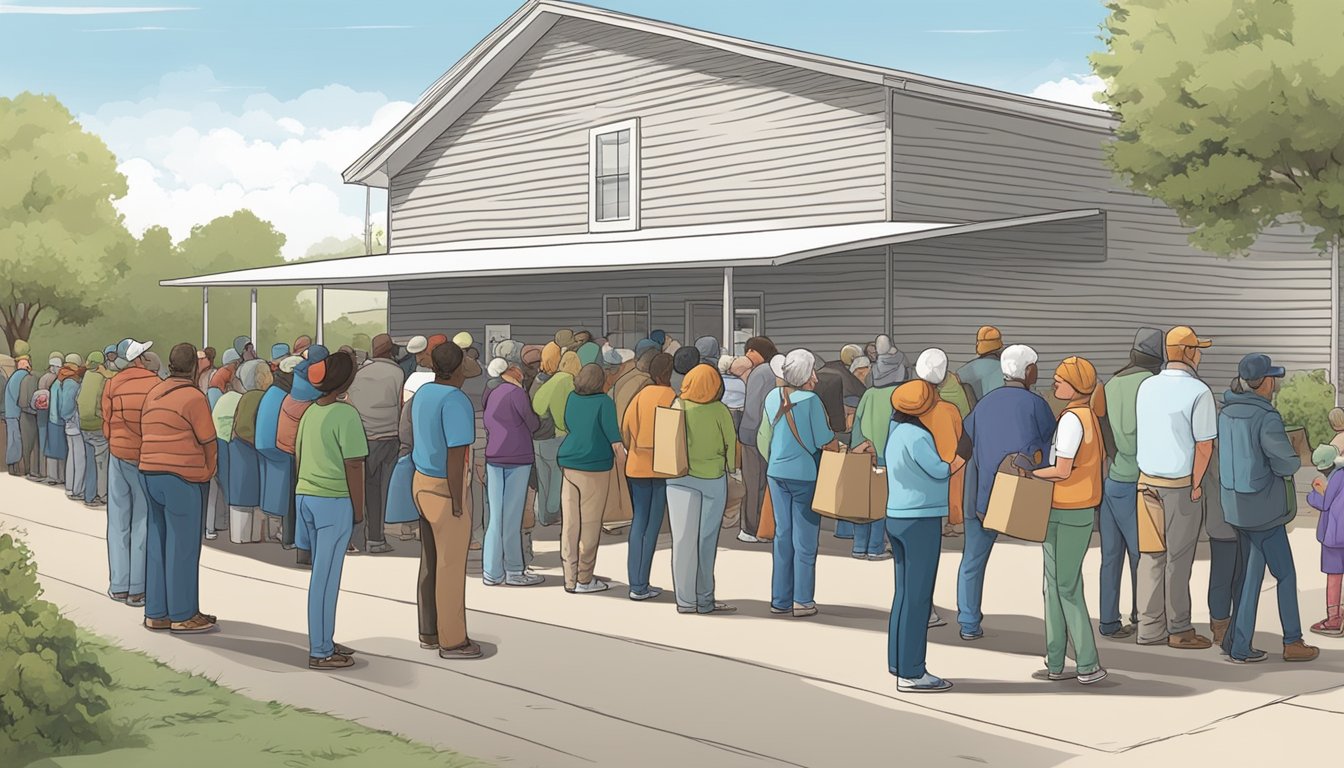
<point>417,344</point>
<point>795,368</point>
<point>289,363</point>
<point>1015,361</point>
<point>859,363</point>
<point>463,340</point>
<point>932,366</point>
<point>497,367</point>
<point>137,348</point>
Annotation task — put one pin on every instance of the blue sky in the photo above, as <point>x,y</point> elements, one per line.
<point>215,104</point>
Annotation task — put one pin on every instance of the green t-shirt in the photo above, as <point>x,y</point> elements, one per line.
<point>711,440</point>
<point>329,435</point>
<point>1122,397</point>
<point>872,421</point>
<point>551,399</point>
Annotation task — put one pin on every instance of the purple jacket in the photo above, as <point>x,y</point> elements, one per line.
<point>1330,529</point>
<point>509,424</point>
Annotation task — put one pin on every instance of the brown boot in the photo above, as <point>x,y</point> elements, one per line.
<point>1219,627</point>
<point>1300,651</point>
<point>1189,641</point>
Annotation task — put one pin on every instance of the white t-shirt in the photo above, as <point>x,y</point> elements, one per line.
<point>1175,410</point>
<point>1068,437</point>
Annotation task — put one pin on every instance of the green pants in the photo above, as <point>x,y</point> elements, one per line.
<point>1066,618</point>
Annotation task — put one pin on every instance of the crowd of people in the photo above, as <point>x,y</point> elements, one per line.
<point>312,447</point>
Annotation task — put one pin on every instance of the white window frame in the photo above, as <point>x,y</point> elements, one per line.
<point>630,223</point>
<point>648,309</point>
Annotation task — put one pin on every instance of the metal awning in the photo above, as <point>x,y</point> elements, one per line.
<point>747,245</point>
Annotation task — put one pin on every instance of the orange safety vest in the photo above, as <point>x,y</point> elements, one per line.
<point>1082,489</point>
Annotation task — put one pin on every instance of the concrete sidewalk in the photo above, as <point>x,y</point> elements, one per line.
<point>598,679</point>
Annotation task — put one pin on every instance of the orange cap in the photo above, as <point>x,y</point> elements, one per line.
<point>988,339</point>
<point>1184,336</point>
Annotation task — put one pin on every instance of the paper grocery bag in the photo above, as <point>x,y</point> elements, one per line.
<point>1152,522</point>
<point>669,442</point>
<point>1297,437</point>
<point>844,486</point>
<point>877,493</point>
<point>619,511</point>
<point>766,530</point>
<point>1019,506</point>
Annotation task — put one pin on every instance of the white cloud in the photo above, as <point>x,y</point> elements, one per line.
<point>1077,90</point>
<point>188,160</point>
<point>85,10</point>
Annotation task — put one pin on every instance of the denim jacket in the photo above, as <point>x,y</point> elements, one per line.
<point>1256,464</point>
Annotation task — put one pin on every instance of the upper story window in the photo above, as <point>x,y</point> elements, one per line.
<point>613,177</point>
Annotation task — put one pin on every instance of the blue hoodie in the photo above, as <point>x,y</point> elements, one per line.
<point>1256,463</point>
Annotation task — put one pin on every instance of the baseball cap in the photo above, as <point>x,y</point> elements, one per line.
<point>1184,336</point>
<point>137,348</point>
<point>988,339</point>
<point>1257,365</point>
<point>417,344</point>
<point>279,351</point>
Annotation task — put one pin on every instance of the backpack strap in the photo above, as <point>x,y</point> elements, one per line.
<point>786,411</point>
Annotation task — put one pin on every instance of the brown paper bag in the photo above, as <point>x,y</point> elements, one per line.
<point>619,511</point>
<point>1019,506</point>
<point>844,486</point>
<point>1298,438</point>
<point>877,493</point>
<point>669,442</point>
<point>766,531</point>
<point>1152,522</point>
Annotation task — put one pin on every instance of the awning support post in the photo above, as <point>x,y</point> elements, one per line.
<point>205,317</point>
<point>728,325</point>
<point>253,325</point>
<point>321,314</point>
<point>888,297</point>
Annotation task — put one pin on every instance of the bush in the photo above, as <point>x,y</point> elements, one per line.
<point>53,689</point>
<point>1305,401</point>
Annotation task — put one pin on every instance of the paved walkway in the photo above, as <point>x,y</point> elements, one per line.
<point>600,680</point>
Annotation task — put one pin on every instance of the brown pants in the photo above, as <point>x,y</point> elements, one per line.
<point>583,500</point>
<point>442,593</point>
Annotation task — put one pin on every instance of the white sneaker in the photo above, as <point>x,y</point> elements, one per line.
<point>524,579</point>
<point>926,684</point>
<point>596,585</point>
<point>936,621</point>
<point>652,593</point>
<point>1093,677</point>
<point>747,538</point>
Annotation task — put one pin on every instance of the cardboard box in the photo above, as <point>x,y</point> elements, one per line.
<point>845,487</point>
<point>669,443</point>
<point>1019,506</point>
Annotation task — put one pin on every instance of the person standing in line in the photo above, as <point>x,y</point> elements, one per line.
<point>509,423</point>
<point>51,434</point>
<point>1074,467</point>
<point>205,365</point>
<point>944,421</point>
<point>376,395</point>
<point>443,424</point>
<point>983,375</point>
<point>648,490</point>
<point>277,467</point>
<point>1227,558</point>
<point>1256,466</point>
<point>791,435</point>
<point>588,457</point>
<point>1177,424</point>
<point>917,498</point>
<point>1119,525</point>
<point>548,402</point>
<point>301,397</point>
<point>123,404</point>
<point>254,378</point>
<point>1327,497</point>
<point>178,455</point>
<point>330,450</point>
<point>68,380</point>
<point>17,409</point>
<point>734,370</point>
<point>625,389</point>
<point>225,405</point>
<point>91,430</point>
<point>760,350</point>
<point>696,501</point>
<point>1011,419</point>
<point>872,424</point>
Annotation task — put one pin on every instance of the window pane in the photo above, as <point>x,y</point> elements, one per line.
<point>607,151</point>
<point>623,153</point>
<point>607,204</point>
<point>623,197</point>
<point>642,303</point>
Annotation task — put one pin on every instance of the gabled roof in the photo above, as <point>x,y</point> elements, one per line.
<point>463,85</point>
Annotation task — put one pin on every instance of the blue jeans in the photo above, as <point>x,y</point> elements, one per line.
<point>502,551</point>
<point>1266,548</point>
<point>648,500</point>
<point>328,523</point>
<point>95,466</point>
<point>1119,537</point>
<point>869,538</point>
<point>127,517</point>
<point>173,552</point>
<point>695,515</point>
<point>1227,574</point>
<point>971,575</point>
<point>797,533</point>
<point>844,529</point>
<point>915,549</point>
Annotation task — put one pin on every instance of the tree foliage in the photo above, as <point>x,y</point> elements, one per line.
<point>61,239</point>
<point>1230,112</point>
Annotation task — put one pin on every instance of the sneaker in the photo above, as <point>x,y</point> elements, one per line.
<point>489,582</point>
<point>858,555</point>
<point>649,595</point>
<point>334,661</point>
<point>1125,632</point>
<point>1054,677</point>
<point>971,636</point>
<point>780,611</point>
<point>350,549</point>
<point>596,585</point>
<point>926,684</point>
<point>1095,676</point>
<point>196,625</point>
<point>136,601</point>
<point>524,579</point>
<point>342,650</point>
<point>804,611</point>
<point>936,621</point>
<point>747,538</point>
<point>877,558</point>
<point>118,597</point>
<point>719,608</point>
<point>467,650</point>
<point>685,610</point>
<point>1329,627</point>
<point>379,548</point>
<point>1300,651</point>
<point>1256,655</point>
<point>211,535</point>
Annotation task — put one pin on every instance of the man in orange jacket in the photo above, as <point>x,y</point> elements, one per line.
<point>122,404</point>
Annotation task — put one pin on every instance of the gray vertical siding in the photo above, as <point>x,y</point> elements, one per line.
<point>954,163</point>
<point>724,139</point>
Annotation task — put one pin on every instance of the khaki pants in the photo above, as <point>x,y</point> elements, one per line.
<point>442,594</point>
<point>1164,577</point>
<point>583,500</point>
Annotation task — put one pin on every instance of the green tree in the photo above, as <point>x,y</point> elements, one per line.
<point>60,236</point>
<point>1230,112</point>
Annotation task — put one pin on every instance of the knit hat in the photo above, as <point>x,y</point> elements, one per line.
<point>74,359</point>
<point>685,359</point>
<point>701,385</point>
<point>463,340</point>
<point>889,367</point>
<point>416,344</point>
<point>279,351</point>
<point>589,353</point>
<point>1324,456</point>
<point>1016,360</point>
<point>569,363</point>
<point>95,359</point>
<point>564,338</point>
<point>497,367</point>
<point>56,359</point>
<point>22,350</point>
<point>240,344</point>
<point>531,354</point>
<point>849,352</point>
<point>932,366</point>
<point>859,363</point>
<point>382,346</point>
<point>914,398</point>
<point>300,344</point>
<point>644,345</point>
<point>231,356</point>
<point>988,339</point>
<point>796,368</point>
<point>659,337</point>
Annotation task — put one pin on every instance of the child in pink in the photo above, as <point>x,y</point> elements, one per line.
<point>1328,497</point>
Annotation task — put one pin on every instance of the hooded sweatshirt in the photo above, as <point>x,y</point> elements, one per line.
<point>711,441</point>
<point>90,398</point>
<point>1256,463</point>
